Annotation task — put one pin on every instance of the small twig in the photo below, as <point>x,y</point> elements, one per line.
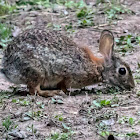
<point>127,103</point>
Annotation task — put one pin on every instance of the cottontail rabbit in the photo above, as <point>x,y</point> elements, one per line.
<point>47,62</point>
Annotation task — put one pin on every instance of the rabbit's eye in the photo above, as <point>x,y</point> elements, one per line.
<point>122,71</point>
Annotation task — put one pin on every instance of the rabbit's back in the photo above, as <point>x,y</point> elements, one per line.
<point>51,55</point>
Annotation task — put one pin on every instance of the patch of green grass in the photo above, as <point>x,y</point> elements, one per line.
<point>74,5</point>
<point>114,102</point>
<point>60,136</point>
<point>69,4</point>
<point>100,1</point>
<point>102,129</point>
<point>66,133</point>
<point>5,94</point>
<point>132,134</point>
<point>69,28</point>
<point>8,124</point>
<point>127,43</point>
<point>138,93</point>
<point>40,105</point>
<point>85,22</point>
<point>47,3</point>
<point>21,101</point>
<point>104,133</point>
<point>113,11</point>
<point>85,17</point>
<point>5,8</point>
<point>59,117</point>
<point>34,114</point>
<point>5,34</point>
<point>35,4</point>
<point>32,2</point>
<point>65,126</point>
<point>102,103</point>
<point>106,102</point>
<point>130,121</point>
<point>84,12</point>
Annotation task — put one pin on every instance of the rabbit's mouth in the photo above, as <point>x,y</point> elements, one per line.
<point>120,85</point>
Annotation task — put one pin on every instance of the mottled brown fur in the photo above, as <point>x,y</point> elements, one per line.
<point>49,59</point>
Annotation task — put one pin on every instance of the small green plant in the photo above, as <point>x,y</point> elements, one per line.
<point>114,10</point>
<point>130,121</point>
<point>138,93</point>
<point>34,114</point>
<point>5,8</point>
<point>138,39</point>
<point>5,34</point>
<point>21,101</point>
<point>40,105</point>
<point>66,131</point>
<point>104,133</point>
<point>69,28</point>
<point>101,103</point>
<point>84,12</point>
<point>59,117</point>
<point>114,102</point>
<point>35,4</point>
<point>132,134</point>
<point>100,1</point>
<point>85,22</point>
<point>85,17</point>
<point>32,2</point>
<point>31,129</point>
<point>60,136</point>
<point>64,125</point>
<point>74,5</point>
<point>105,102</point>
<point>127,43</point>
<point>6,94</point>
<point>102,129</point>
<point>8,124</point>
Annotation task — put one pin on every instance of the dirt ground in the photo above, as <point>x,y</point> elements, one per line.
<point>77,116</point>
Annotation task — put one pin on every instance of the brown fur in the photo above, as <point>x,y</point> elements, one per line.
<point>97,60</point>
<point>49,59</point>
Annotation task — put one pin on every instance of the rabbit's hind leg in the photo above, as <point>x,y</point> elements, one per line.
<point>46,93</point>
<point>35,88</point>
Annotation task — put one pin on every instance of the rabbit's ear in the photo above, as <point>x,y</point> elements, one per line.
<point>106,44</point>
